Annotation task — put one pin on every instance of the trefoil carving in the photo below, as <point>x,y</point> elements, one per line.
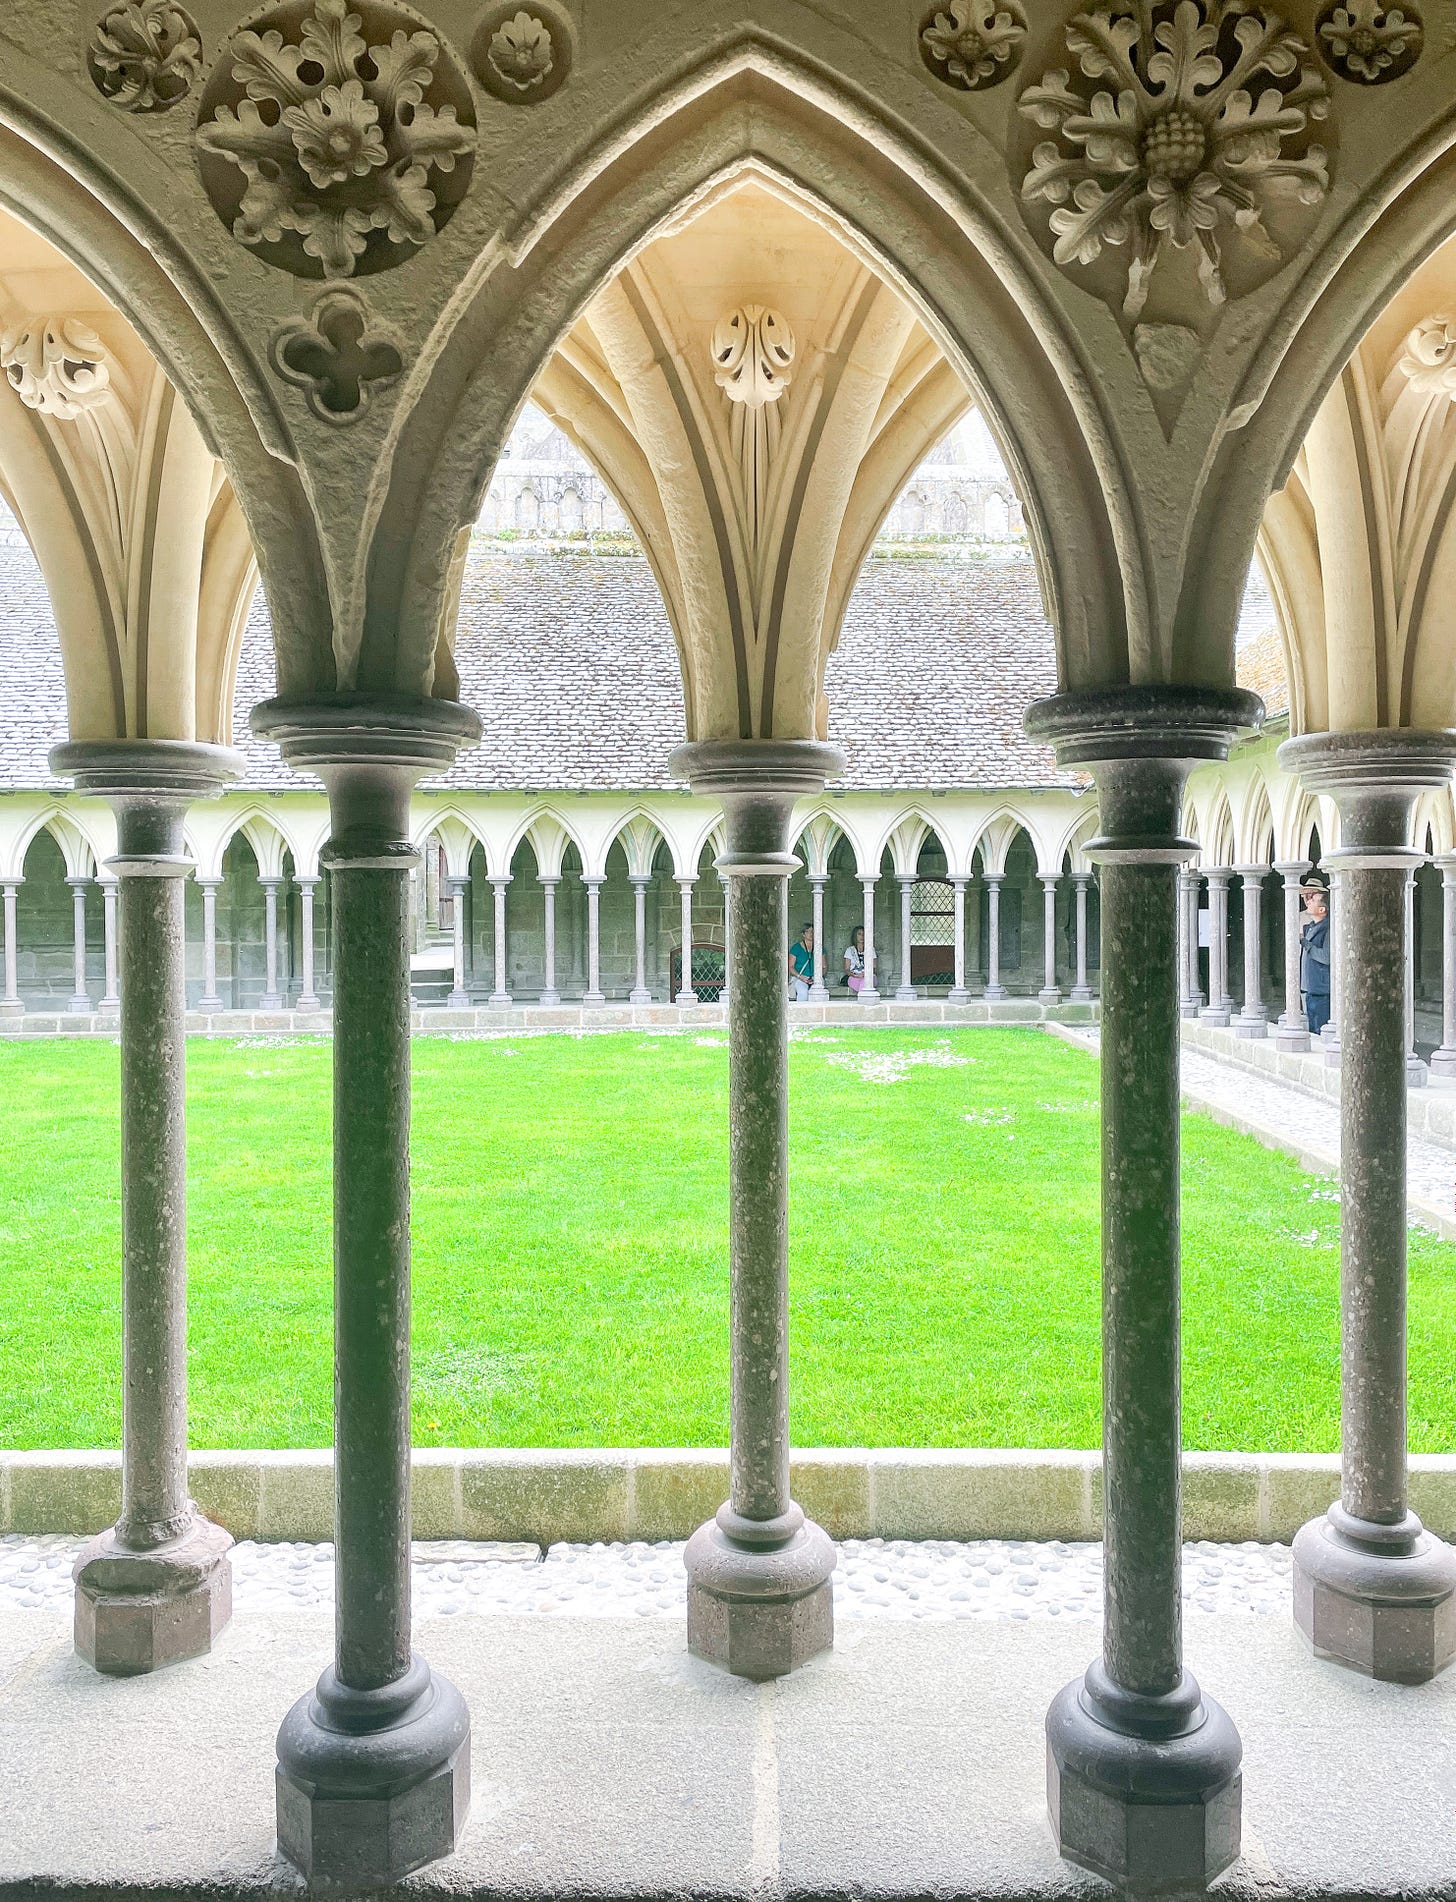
<point>335,358</point>
<point>521,54</point>
<point>973,44</point>
<point>58,366</point>
<point>335,141</point>
<point>753,351</point>
<point>145,55</point>
<point>1368,43</point>
<point>1428,362</point>
<point>1179,125</point>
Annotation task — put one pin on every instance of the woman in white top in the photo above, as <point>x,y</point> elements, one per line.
<point>854,960</point>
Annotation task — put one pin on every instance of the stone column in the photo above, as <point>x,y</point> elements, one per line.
<point>994,987</point>
<point>1292,1031</point>
<point>1443,1061</point>
<point>10,1004</point>
<point>1372,1588</point>
<point>727,940</point>
<point>905,992</point>
<point>760,1601</point>
<point>157,1586</point>
<point>210,998</point>
<point>272,998</point>
<point>459,998</point>
<point>640,993</point>
<point>1253,1019</point>
<point>1220,1006</point>
<point>307,997</point>
<point>111,997</point>
<point>79,1002</point>
<point>1190,997</point>
<point>818,990</point>
<point>1050,992</point>
<point>1330,1035</point>
<point>500,996</point>
<point>549,992</point>
<point>593,995</point>
<point>869,992</point>
<point>373,1765</point>
<point>686,994</point>
<point>958,993</point>
<point>1143,1770</point>
<point>1081,990</point>
<point>1416,1075</point>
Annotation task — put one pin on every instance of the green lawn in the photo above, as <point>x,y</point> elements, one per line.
<point>570,1280</point>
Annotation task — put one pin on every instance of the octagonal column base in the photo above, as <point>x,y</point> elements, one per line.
<point>138,1610</point>
<point>1217,1016</point>
<point>1144,1791</point>
<point>760,1597</point>
<point>1380,1599</point>
<point>1288,1037</point>
<point>1049,995</point>
<point>373,1784</point>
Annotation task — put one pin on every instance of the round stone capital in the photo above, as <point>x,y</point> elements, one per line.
<point>155,771</point>
<point>1143,723</point>
<point>1383,759</point>
<point>723,768</point>
<point>1292,868</point>
<point>395,732</point>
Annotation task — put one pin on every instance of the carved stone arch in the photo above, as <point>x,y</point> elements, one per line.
<point>996,836</point>
<point>268,839</point>
<point>73,843</point>
<point>1070,850</point>
<point>755,105</point>
<point>1255,837</point>
<point>639,836</point>
<point>814,840</point>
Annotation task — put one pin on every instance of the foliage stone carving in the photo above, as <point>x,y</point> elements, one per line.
<point>1429,359</point>
<point>1369,43</point>
<point>973,44</point>
<point>521,55</point>
<point>335,140</point>
<point>57,365</point>
<point>1179,125</point>
<point>145,55</point>
<point>335,358</point>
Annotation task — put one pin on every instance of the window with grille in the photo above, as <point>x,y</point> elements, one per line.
<point>932,912</point>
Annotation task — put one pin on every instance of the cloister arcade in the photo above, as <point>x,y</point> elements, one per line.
<point>1193,261</point>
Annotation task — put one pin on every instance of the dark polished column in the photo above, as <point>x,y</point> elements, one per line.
<point>1372,1588</point>
<point>760,1600</point>
<point>373,1772</point>
<point>1142,1769</point>
<point>156,1587</point>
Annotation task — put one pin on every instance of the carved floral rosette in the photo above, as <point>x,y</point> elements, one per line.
<point>1428,362</point>
<point>145,55</point>
<point>1368,43</point>
<point>336,136</point>
<point>1177,127</point>
<point>521,53</point>
<point>973,44</point>
<point>58,366</point>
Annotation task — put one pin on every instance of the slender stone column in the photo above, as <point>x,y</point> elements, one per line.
<point>869,992</point>
<point>1253,1019</point>
<point>1330,1035</point>
<point>307,998</point>
<point>111,997</point>
<point>1372,1588</point>
<point>10,1004</point>
<point>549,992</point>
<point>79,1001</point>
<point>1292,1032</point>
<point>459,998</point>
<point>1190,998</point>
<point>760,1600</point>
<point>818,990</point>
<point>973,930</point>
<point>1443,1061</point>
<point>686,994</point>
<point>1416,1075</point>
<point>727,941</point>
<point>1143,1770</point>
<point>1081,990</point>
<point>1050,992</point>
<point>156,1587</point>
<point>958,993</point>
<point>501,995</point>
<point>593,995</point>
<point>417,891</point>
<point>374,1765</point>
<point>905,992</point>
<point>640,993</point>
<point>210,998</point>
<point>272,998</point>
<point>994,987</point>
<point>1220,1006</point>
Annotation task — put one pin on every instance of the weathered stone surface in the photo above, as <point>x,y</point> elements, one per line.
<point>674,1492</point>
<point>546,1496</point>
<point>982,1494</point>
<point>140,1611</point>
<point>1388,1614</point>
<point>1220,1496</point>
<point>64,1492</point>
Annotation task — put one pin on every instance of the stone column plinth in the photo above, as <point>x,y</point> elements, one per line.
<point>111,996</point>
<point>1050,992</point>
<point>308,998</point>
<point>459,998</point>
<point>1443,1060</point>
<point>1292,1030</point>
<point>1143,1770</point>
<point>272,998</point>
<point>760,1600</point>
<point>10,1004</point>
<point>905,991</point>
<point>818,990</point>
<point>549,992</point>
<point>594,994</point>
<point>373,1775</point>
<point>1220,1006</point>
<point>994,987</point>
<point>869,991</point>
<point>1253,1018</point>
<point>79,1002</point>
<point>1082,990</point>
<point>685,992</point>
<point>1372,1588</point>
<point>640,993</point>
<point>501,995</point>
<point>156,1587</point>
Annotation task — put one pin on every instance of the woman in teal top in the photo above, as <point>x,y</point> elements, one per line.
<point>801,964</point>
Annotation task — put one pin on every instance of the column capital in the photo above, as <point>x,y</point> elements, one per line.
<point>1291,870</point>
<point>78,881</point>
<point>1217,874</point>
<point>1445,863</point>
<point>305,884</point>
<point>1259,871</point>
<point>147,771</point>
<point>593,881</point>
<point>745,768</point>
<point>1374,779</point>
<point>547,880</point>
<point>501,879</point>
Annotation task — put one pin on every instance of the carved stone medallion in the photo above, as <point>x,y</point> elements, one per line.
<point>57,365</point>
<point>335,358</point>
<point>973,44</point>
<point>521,54</point>
<point>1368,43</point>
<point>145,55</point>
<point>334,138</point>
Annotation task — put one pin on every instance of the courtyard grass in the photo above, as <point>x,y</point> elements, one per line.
<point>570,1274</point>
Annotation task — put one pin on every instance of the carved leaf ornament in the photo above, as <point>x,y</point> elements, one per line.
<point>521,52</point>
<point>1177,126</point>
<point>973,44</point>
<point>145,55</point>
<point>753,354</point>
<point>1429,361</point>
<point>329,151</point>
<point>58,366</point>
<point>1369,43</point>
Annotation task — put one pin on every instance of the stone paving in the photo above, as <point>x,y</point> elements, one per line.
<point>876,1578</point>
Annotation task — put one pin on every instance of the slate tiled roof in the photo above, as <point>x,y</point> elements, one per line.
<point>570,661</point>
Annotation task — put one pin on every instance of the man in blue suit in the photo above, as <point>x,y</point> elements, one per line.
<point>1314,959</point>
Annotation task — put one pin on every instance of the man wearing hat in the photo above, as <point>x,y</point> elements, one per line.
<point>1314,958</point>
